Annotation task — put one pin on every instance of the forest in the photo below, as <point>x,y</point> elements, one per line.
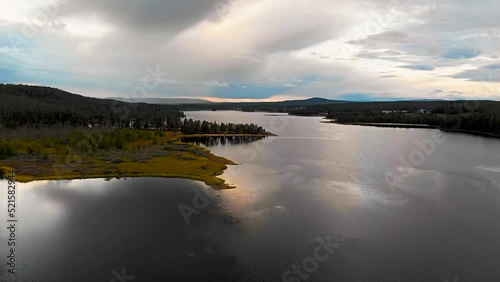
<point>23,106</point>
<point>479,116</point>
<point>38,106</point>
<point>439,106</point>
<point>197,127</point>
<point>45,107</point>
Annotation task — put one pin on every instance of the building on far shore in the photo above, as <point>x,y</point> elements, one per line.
<point>423,111</point>
<point>395,112</point>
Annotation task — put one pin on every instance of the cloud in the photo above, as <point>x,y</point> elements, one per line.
<point>461,53</point>
<point>419,67</point>
<point>383,54</point>
<point>365,97</point>
<point>255,48</point>
<point>392,53</point>
<point>147,15</point>
<point>486,73</point>
<point>492,67</point>
<point>214,83</point>
<point>388,36</point>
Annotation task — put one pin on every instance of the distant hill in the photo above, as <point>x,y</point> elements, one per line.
<point>163,101</point>
<point>188,101</point>
<point>311,102</point>
<point>434,106</point>
<point>282,106</point>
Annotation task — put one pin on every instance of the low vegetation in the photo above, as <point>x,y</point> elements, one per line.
<point>47,133</point>
<point>101,153</point>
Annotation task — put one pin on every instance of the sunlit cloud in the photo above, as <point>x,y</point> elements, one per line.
<point>240,50</point>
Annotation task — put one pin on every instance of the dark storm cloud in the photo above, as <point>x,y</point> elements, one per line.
<point>149,15</point>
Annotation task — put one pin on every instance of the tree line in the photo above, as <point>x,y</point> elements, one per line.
<point>437,107</point>
<point>38,106</point>
<point>204,127</point>
<point>482,116</point>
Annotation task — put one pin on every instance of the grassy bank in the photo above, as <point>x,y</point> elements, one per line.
<point>111,154</point>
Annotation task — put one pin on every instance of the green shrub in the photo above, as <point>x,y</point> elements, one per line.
<point>5,151</point>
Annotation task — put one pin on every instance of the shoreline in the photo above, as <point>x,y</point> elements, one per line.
<point>214,182</point>
<point>105,177</point>
<point>420,126</point>
<point>471,132</point>
<point>167,157</point>
<point>387,125</point>
<point>225,135</point>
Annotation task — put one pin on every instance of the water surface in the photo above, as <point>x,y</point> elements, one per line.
<point>392,220</point>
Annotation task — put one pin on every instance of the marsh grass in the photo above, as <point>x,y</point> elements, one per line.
<point>111,154</point>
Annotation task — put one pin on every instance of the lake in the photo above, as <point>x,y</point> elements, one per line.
<point>319,202</point>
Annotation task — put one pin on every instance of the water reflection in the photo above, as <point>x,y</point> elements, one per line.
<point>315,180</point>
<point>215,141</point>
<point>80,230</point>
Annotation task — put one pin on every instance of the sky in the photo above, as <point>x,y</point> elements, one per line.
<point>269,50</point>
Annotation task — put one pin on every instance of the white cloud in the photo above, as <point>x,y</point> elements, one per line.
<point>214,83</point>
<point>307,47</point>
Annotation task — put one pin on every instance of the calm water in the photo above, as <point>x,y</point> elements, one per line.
<point>395,205</point>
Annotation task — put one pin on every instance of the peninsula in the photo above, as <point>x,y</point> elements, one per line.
<point>50,134</point>
<point>116,153</point>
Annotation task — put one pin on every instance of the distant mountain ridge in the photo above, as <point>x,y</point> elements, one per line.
<point>311,102</point>
<point>190,101</point>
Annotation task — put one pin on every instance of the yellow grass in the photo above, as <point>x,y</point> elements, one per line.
<point>167,158</point>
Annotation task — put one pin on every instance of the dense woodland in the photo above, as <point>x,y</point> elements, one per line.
<point>196,127</point>
<point>36,106</point>
<point>449,107</point>
<point>55,119</point>
<point>35,120</point>
<point>41,107</point>
<point>482,116</point>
